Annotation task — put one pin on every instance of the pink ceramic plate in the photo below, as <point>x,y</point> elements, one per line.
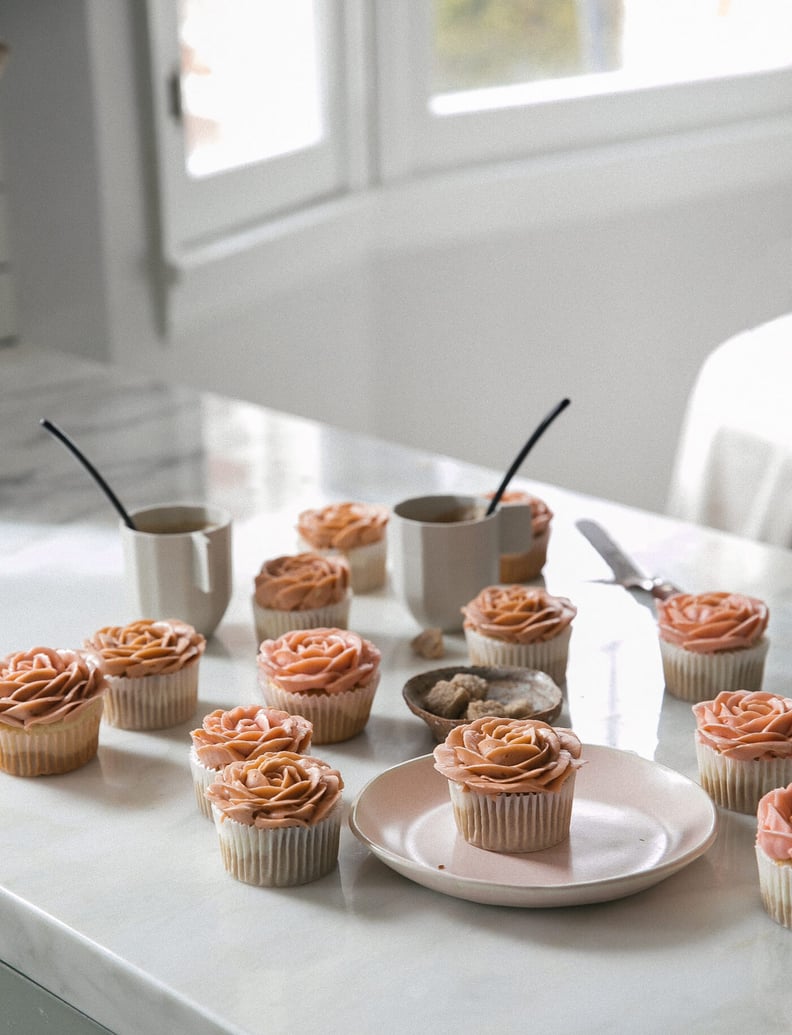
<point>634,823</point>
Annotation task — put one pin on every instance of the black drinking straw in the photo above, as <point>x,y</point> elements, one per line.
<point>64,438</point>
<point>526,449</point>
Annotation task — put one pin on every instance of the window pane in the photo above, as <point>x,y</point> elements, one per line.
<point>250,81</point>
<point>482,44</point>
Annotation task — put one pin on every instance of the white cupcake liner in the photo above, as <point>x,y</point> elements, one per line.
<point>550,656</point>
<point>278,857</point>
<point>701,677</point>
<point>522,567</point>
<point>202,776</point>
<point>775,887</point>
<point>516,823</point>
<point>367,564</point>
<point>738,785</point>
<point>152,702</point>
<point>335,717</point>
<point>49,749</point>
<point>271,623</point>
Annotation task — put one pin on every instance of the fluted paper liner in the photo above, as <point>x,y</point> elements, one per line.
<point>270,623</point>
<point>52,748</point>
<point>738,785</point>
<point>696,677</point>
<point>549,656</point>
<point>278,857</point>
<point>152,702</point>
<point>203,777</point>
<point>335,717</point>
<point>522,567</point>
<point>516,823</point>
<point>775,887</point>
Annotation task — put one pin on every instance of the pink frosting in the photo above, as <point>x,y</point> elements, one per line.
<point>343,526</point>
<point>145,647</point>
<point>518,614</point>
<point>302,582</point>
<point>326,661</point>
<point>277,789</point>
<point>774,824</point>
<point>244,733</point>
<point>746,725</point>
<point>710,622</point>
<point>508,756</point>
<point>41,686</point>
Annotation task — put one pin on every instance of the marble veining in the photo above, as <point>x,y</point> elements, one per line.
<point>112,893</point>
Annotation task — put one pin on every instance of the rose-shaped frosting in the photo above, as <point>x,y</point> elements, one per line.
<point>41,686</point>
<point>343,526</point>
<point>541,514</point>
<point>145,647</point>
<point>518,614</point>
<point>508,756</point>
<point>746,725</point>
<point>302,582</point>
<point>244,733</point>
<point>774,824</point>
<point>708,622</point>
<point>319,660</point>
<point>278,789</point>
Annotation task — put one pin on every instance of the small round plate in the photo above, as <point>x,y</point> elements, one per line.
<point>505,685</point>
<point>634,823</point>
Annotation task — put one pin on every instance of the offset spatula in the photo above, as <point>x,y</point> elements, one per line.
<point>625,572</point>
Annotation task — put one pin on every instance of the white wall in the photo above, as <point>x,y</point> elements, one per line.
<point>450,313</point>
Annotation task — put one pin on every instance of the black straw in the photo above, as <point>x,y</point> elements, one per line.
<point>64,438</point>
<point>526,449</point>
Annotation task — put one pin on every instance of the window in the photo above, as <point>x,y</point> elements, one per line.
<point>276,105</point>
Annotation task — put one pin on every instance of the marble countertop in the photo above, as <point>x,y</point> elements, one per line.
<point>112,891</point>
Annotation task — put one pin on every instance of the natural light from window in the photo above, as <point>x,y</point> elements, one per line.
<point>250,81</point>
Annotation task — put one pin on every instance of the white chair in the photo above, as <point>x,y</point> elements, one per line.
<point>733,468</point>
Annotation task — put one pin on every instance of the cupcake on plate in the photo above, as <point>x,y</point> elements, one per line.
<point>50,708</point>
<point>527,564</point>
<point>511,782</point>
<point>520,627</point>
<point>328,675</point>
<point>301,591</point>
<point>152,672</point>
<point>711,642</point>
<point>356,530</point>
<point>278,818</point>
<point>774,853</point>
<point>743,746</point>
<point>238,735</point>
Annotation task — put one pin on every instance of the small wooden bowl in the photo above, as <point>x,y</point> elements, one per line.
<point>505,685</point>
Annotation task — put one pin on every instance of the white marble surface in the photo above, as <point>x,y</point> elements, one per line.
<point>112,892</point>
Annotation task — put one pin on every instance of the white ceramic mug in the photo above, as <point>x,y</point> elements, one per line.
<point>447,549</point>
<point>177,561</point>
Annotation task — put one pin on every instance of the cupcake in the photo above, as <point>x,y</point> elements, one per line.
<point>528,564</point>
<point>238,735</point>
<point>711,642</point>
<point>356,530</point>
<point>520,627</point>
<point>743,746</point>
<point>50,708</point>
<point>511,782</point>
<point>301,592</point>
<point>328,675</point>
<point>278,818</point>
<point>151,670</point>
<point>774,853</point>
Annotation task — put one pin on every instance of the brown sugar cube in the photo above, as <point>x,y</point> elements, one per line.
<point>429,643</point>
<point>478,709</point>
<point>447,700</point>
<point>475,685</point>
<point>519,708</point>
